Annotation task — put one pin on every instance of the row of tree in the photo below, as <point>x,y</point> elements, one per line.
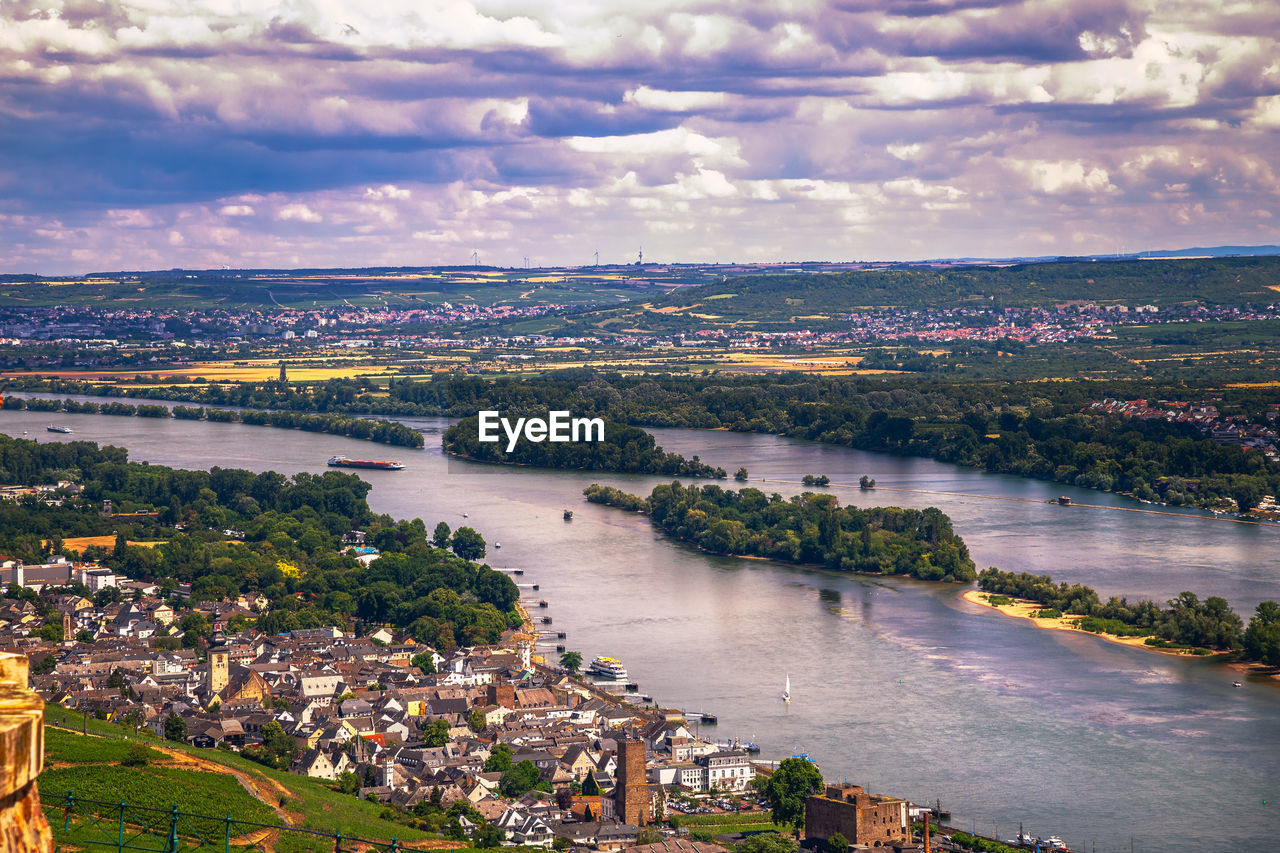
<point>384,431</point>
<point>1184,620</point>
<point>807,528</point>
<point>623,449</point>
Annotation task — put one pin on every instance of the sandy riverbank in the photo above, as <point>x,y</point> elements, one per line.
<point>1024,609</point>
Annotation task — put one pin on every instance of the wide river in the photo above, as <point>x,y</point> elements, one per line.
<point>897,685</point>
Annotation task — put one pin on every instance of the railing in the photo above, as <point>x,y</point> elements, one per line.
<point>80,823</point>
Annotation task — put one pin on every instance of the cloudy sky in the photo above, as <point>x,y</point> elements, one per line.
<point>142,134</point>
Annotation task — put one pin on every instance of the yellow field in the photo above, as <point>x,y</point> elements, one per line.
<point>253,371</point>
<point>77,544</point>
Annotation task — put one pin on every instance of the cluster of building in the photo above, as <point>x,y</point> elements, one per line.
<point>1228,429</point>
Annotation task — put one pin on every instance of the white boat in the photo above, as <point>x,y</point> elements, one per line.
<point>786,691</point>
<point>608,668</point>
<point>62,429</point>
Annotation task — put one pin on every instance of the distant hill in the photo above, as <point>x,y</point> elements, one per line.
<point>1212,252</point>
<point>814,299</point>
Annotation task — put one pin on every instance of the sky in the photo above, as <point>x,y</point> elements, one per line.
<point>149,134</point>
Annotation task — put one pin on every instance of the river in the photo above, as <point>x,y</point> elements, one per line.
<point>897,685</point>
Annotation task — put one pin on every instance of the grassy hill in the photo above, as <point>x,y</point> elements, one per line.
<point>207,782</point>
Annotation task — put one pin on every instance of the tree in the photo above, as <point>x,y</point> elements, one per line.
<point>116,679</point>
<point>436,733</point>
<point>499,760</point>
<point>572,661</point>
<point>520,779</point>
<point>564,799</point>
<point>468,544</point>
<point>425,662</point>
<point>281,745</point>
<point>348,782</point>
<point>440,536</point>
<point>865,482</point>
<point>1246,493</point>
<point>767,842</point>
<point>476,721</point>
<point>740,475</point>
<point>1262,637</point>
<point>175,728</point>
<point>838,844</point>
<point>487,835</point>
<point>793,781</point>
<point>590,787</point>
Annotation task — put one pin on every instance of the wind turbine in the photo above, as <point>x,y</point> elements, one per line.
<point>597,257</point>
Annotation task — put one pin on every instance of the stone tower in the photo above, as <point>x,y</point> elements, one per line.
<point>631,795</point>
<point>217,675</point>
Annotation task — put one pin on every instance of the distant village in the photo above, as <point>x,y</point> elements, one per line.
<point>103,337</point>
<point>1204,416</point>
<point>394,720</point>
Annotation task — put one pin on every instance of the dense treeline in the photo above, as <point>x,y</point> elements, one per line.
<point>230,531</point>
<point>807,528</point>
<point>387,432</point>
<point>1185,621</point>
<point>1033,429</point>
<point>1040,430</point>
<point>624,449</point>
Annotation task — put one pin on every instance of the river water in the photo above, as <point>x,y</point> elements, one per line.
<point>898,685</point>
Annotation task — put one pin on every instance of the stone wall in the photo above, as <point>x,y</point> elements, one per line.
<point>23,827</point>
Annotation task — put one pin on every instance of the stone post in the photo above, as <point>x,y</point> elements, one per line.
<point>23,827</point>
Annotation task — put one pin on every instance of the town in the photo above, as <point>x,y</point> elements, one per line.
<point>531,749</point>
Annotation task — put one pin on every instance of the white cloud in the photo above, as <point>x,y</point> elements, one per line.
<point>299,213</point>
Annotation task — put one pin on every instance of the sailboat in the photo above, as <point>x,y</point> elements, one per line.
<point>786,691</point>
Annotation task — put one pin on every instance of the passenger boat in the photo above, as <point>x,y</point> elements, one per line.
<point>608,668</point>
<point>348,462</point>
<point>63,429</point>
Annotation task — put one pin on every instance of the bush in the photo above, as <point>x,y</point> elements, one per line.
<point>137,756</point>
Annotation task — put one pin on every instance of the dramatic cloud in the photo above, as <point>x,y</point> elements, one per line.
<point>153,133</point>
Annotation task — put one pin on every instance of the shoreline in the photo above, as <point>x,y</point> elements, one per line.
<point>1022,608</point>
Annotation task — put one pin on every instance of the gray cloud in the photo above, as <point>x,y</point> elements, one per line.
<point>808,129</point>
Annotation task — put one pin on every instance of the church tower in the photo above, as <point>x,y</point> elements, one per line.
<point>218,672</point>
